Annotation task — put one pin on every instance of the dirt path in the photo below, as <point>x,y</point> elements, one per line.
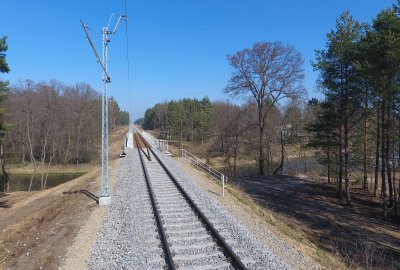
<point>36,228</point>
<point>78,253</point>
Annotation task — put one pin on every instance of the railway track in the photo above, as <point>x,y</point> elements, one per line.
<point>181,238</point>
<point>188,238</point>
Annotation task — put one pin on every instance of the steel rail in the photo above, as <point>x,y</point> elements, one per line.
<point>227,250</point>
<point>146,143</point>
<point>163,237</point>
<point>138,140</point>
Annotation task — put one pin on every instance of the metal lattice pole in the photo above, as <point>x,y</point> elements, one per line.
<point>105,188</point>
<point>104,121</point>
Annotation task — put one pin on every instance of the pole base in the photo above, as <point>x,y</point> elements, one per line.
<point>104,200</point>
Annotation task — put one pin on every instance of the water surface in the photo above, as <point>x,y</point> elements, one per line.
<point>20,182</point>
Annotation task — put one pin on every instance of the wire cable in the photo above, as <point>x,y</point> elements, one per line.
<point>128,63</point>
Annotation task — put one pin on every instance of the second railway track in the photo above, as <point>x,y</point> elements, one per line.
<point>188,238</point>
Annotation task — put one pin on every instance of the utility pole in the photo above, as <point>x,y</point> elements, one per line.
<point>105,197</point>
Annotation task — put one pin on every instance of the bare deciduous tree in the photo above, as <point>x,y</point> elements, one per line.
<point>54,123</point>
<point>269,72</point>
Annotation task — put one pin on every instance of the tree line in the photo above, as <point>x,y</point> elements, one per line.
<point>229,129</point>
<point>358,120</point>
<point>54,123</point>
<point>50,123</point>
<point>356,124</point>
<point>185,119</point>
<point>268,76</point>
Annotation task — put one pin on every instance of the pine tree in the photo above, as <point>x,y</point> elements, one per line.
<point>325,131</point>
<point>383,59</point>
<point>340,82</point>
<point>3,95</point>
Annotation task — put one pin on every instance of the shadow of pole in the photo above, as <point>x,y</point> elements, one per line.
<point>4,204</point>
<point>86,192</point>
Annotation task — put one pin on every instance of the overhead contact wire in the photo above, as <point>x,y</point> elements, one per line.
<point>128,63</point>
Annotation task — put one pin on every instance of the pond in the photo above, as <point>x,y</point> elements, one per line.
<point>20,182</point>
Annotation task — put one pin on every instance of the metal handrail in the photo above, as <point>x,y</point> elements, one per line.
<point>196,162</point>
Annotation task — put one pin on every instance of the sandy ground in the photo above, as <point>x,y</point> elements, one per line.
<point>355,233</point>
<point>36,228</point>
<point>78,254</point>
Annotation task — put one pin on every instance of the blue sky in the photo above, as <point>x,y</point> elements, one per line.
<point>177,48</point>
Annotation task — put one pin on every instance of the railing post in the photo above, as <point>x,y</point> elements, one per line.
<point>209,169</point>
<point>223,185</point>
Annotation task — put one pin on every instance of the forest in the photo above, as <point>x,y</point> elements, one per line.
<point>354,128</point>
<point>53,123</point>
<point>228,129</point>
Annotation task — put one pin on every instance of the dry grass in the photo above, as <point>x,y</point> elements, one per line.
<point>36,228</point>
<point>41,221</point>
<point>294,233</point>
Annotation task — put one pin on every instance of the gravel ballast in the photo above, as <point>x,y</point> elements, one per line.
<point>243,243</point>
<point>129,237</point>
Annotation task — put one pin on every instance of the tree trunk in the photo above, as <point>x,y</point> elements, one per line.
<point>23,146</point>
<point>378,130</point>
<point>43,158</point>
<point>192,131</point>
<point>180,138</point>
<point>23,153</point>
<point>280,167</point>
<point>66,156</point>
<point>223,147</point>
<point>78,143</point>
<point>268,158</point>
<point>328,157</point>
<point>383,150</point>
<point>261,158</point>
<point>282,150</point>
<point>261,154</point>
<point>340,173</point>
<point>3,169</point>
<point>33,160</point>
<point>365,182</point>
<point>235,155</point>
<point>388,162</point>
<point>398,189</point>
<point>261,147</point>
<point>346,156</point>
<point>49,164</point>
<point>394,178</point>
<point>397,160</point>
<point>12,142</point>
<point>394,161</point>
